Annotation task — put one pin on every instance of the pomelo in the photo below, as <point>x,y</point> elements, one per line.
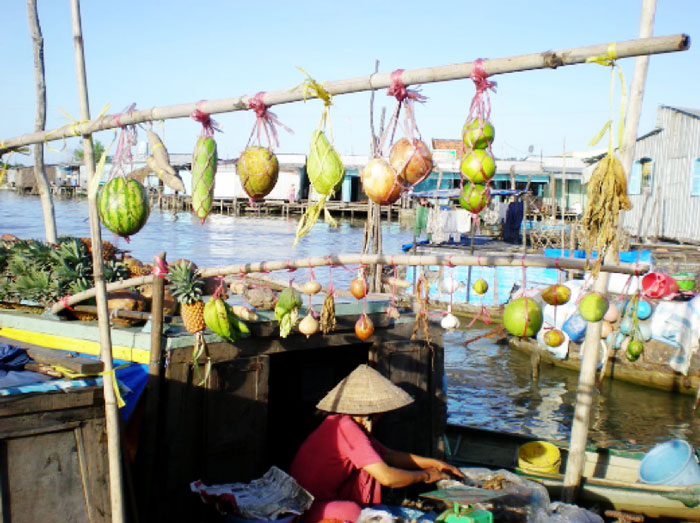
<point>478,166</point>
<point>522,317</point>
<point>480,287</point>
<point>475,197</point>
<point>593,306</point>
<point>478,134</point>
<point>554,338</point>
<point>634,350</point>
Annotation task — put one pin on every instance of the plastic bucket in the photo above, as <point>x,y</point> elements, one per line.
<point>685,280</point>
<point>658,284</point>
<point>539,456</point>
<point>670,463</point>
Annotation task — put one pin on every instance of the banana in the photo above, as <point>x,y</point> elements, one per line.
<point>238,324</point>
<point>216,316</point>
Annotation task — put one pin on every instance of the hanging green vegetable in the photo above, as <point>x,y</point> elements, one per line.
<point>323,165</point>
<point>204,163</point>
<point>287,310</point>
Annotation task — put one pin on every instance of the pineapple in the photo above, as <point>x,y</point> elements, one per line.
<point>187,290</point>
<point>109,251</point>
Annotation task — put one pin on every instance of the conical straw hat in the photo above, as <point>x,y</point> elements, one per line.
<point>364,391</point>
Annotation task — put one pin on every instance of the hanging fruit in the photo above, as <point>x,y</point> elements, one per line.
<point>309,325</point>
<point>556,295</point>
<point>258,169</point>
<point>449,322</point>
<point>612,314</point>
<point>478,134</point>
<point>328,322</point>
<point>311,287</point>
<point>412,160</point>
<point>204,163</point>
<point>358,287</point>
<point>287,310</point>
<point>553,338</point>
<point>478,166</point>
<point>593,306</point>
<point>380,182</point>
<point>634,350</point>
<point>522,317</point>
<point>364,327</point>
<point>393,313</point>
<point>480,287</point>
<point>449,285</point>
<point>474,197</point>
<point>123,206</point>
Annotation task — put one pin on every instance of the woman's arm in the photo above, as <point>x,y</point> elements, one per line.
<point>394,477</point>
<point>405,460</point>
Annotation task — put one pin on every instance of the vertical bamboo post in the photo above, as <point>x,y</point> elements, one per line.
<point>111,409</point>
<point>42,181</point>
<point>563,197</point>
<point>586,384</point>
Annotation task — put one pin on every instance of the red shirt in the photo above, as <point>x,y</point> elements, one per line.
<point>329,463</point>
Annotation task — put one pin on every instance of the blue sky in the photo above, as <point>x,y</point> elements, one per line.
<point>155,53</point>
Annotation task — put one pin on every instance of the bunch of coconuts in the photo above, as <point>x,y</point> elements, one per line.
<point>410,162</point>
<point>477,164</point>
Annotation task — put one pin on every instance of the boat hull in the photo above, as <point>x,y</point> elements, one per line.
<point>609,476</point>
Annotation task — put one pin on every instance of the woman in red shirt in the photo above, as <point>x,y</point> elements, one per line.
<point>343,466</point>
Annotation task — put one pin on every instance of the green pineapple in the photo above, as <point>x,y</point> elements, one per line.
<point>187,289</point>
<point>72,265</point>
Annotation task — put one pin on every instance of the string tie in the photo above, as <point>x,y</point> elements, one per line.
<point>398,89</point>
<point>160,268</point>
<point>66,305</point>
<point>208,125</point>
<point>265,121</point>
<point>481,106</point>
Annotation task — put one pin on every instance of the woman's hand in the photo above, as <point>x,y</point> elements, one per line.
<point>449,469</point>
<point>434,474</point>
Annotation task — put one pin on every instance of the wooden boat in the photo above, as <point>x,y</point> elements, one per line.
<point>610,476</point>
<point>651,370</point>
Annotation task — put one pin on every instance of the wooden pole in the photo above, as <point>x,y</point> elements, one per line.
<point>492,260</point>
<point>586,384</point>
<point>542,60</point>
<point>42,181</point>
<point>111,409</point>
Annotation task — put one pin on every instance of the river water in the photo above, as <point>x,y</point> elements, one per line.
<point>489,385</point>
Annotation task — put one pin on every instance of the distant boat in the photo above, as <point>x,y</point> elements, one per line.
<point>609,476</point>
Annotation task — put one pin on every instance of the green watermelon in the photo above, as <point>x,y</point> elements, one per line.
<point>123,206</point>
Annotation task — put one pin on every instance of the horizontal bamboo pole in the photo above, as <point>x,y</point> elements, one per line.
<point>442,73</point>
<point>493,260</point>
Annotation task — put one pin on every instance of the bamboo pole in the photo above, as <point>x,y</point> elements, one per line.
<point>491,260</point>
<point>542,60</point>
<point>586,385</point>
<point>111,409</point>
<point>42,181</point>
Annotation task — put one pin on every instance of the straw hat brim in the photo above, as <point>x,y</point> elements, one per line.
<point>364,391</point>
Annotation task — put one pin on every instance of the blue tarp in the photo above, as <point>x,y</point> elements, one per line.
<point>131,379</point>
<point>643,256</point>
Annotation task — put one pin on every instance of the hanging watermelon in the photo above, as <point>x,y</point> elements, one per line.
<point>258,170</point>
<point>123,206</point>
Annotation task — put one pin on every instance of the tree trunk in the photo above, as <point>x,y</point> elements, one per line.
<point>42,182</point>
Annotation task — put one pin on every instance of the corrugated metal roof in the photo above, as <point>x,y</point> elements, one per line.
<point>690,112</point>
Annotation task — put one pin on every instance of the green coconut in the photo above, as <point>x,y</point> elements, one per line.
<point>478,134</point>
<point>522,317</point>
<point>474,197</point>
<point>258,169</point>
<point>593,306</point>
<point>478,166</point>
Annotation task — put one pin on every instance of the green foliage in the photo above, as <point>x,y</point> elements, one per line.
<point>287,310</point>
<point>98,148</point>
<point>115,271</point>
<point>185,285</point>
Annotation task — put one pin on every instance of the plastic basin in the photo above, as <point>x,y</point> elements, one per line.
<point>670,463</point>
<point>539,456</point>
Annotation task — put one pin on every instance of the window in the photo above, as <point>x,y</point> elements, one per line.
<point>647,174</point>
<point>635,181</point>
<point>642,176</point>
<point>695,178</point>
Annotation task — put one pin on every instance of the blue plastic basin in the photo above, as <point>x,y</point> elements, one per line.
<point>670,463</point>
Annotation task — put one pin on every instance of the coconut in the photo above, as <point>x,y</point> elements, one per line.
<point>593,306</point>
<point>380,182</point>
<point>478,134</point>
<point>258,169</point>
<point>475,197</point>
<point>478,166</point>
<point>412,160</point>
<point>522,317</point>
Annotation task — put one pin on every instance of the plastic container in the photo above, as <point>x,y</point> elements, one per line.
<point>658,284</point>
<point>575,327</point>
<point>685,280</point>
<point>539,456</point>
<point>670,463</point>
